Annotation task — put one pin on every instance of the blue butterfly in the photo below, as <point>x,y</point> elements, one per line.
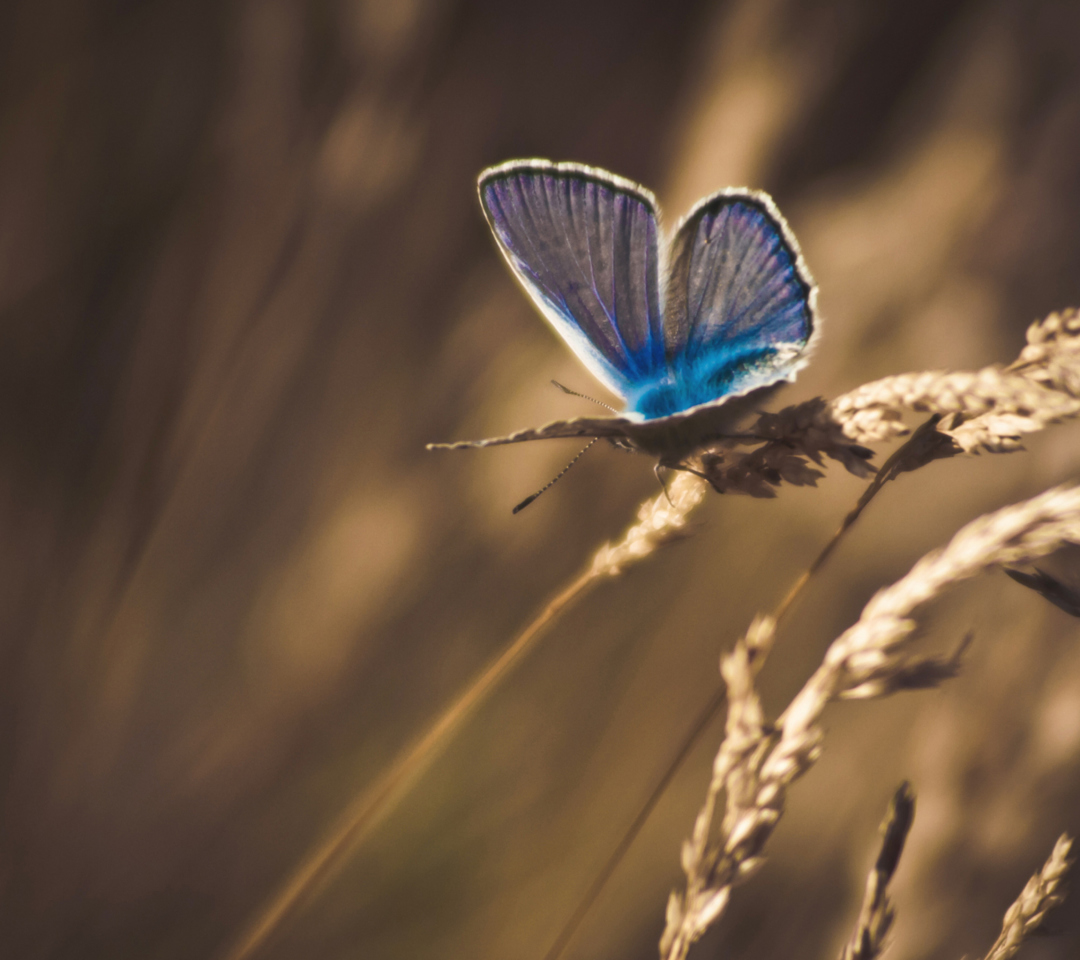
<point>690,333</point>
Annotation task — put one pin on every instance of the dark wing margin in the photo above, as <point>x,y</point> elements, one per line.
<point>579,427</point>
<point>737,279</point>
<point>584,244</point>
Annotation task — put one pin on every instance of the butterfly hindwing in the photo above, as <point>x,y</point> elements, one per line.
<point>739,309</point>
<point>584,244</point>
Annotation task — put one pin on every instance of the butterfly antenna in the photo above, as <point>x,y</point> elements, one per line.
<point>547,486</point>
<point>584,396</point>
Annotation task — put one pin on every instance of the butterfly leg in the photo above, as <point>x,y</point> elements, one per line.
<point>658,469</point>
<point>687,469</point>
<point>621,444</point>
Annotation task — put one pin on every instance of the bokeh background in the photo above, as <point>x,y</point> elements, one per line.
<point>244,278</point>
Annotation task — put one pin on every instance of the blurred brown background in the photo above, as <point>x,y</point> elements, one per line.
<point>243,280</point>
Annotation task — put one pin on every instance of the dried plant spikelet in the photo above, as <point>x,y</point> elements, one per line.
<point>760,636</point>
<point>673,913</point>
<point>1008,404</point>
<point>712,868</point>
<point>660,519</point>
<point>749,867</point>
<point>1052,354</point>
<point>877,914</point>
<point>992,409</point>
<point>1041,893</point>
<point>712,906</point>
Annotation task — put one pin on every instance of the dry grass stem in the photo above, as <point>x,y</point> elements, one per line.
<point>877,913</point>
<point>661,519</point>
<point>757,761</point>
<point>921,448</point>
<point>1041,894</point>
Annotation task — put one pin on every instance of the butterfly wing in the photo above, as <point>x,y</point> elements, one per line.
<point>579,427</point>
<point>740,302</point>
<point>583,243</point>
<point>670,438</point>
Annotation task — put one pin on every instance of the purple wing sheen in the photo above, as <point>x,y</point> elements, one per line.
<point>584,245</point>
<point>736,273</point>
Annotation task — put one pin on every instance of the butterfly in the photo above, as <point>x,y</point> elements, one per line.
<point>689,333</point>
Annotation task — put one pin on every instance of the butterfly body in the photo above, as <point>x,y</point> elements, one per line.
<point>672,438</point>
<point>690,333</point>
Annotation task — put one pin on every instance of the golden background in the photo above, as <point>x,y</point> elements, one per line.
<point>244,279</point>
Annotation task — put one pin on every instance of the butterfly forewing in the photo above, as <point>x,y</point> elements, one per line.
<point>584,245</point>
<point>737,286</point>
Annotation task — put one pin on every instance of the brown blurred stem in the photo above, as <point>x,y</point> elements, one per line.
<point>359,819</point>
<point>924,445</point>
<point>599,882</point>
